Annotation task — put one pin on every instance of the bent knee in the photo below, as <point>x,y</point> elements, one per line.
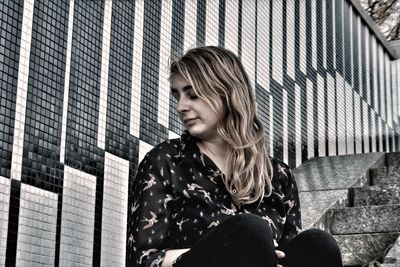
<point>313,246</point>
<point>317,236</point>
<point>318,241</point>
<point>253,228</point>
<point>253,235</point>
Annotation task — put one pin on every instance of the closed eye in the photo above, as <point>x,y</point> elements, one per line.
<point>175,94</point>
<point>192,96</point>
<point>188,90</point>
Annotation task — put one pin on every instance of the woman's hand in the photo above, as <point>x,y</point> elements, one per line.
<point>171,255</point>
<point>280,254</point>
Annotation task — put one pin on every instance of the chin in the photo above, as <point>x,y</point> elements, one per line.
<point>198,133</point>
<point>195,134</point>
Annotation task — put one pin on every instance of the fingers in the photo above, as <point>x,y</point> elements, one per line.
<point>280,254</point>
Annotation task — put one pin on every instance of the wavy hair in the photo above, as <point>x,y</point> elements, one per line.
<point>218,77</point>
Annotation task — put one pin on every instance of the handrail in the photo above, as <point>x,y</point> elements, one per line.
<point>392,51</point>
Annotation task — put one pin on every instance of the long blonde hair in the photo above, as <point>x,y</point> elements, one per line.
<point>218,77</point>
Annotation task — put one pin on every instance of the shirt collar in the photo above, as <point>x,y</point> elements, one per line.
<point>190,153</point>
<point>189,150</point>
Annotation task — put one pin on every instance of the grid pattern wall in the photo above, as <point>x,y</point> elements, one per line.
<point>85,95</point>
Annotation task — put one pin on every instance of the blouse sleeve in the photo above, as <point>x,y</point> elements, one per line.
<point>149,214</point>
<point>292,206</point>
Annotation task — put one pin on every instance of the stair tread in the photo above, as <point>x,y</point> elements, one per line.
<point>388,170</point>
<point>360,249</point>
<point>364,219</point>
<point>386,174</point>
<point>393,158</point>
<point>393,256</point>
<point>387,167</point>
<point>376,195</point>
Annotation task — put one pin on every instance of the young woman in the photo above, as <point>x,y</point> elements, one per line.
<point>214,197</point>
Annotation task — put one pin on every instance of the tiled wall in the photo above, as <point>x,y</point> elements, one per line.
<point>84,95</point>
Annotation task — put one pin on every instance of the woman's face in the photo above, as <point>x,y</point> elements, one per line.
<point>197,115</point>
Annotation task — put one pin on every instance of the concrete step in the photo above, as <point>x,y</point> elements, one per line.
<point>376,195</point>
<point>361,249</point>
<point>393,256</point>
<point>385,176</point>
<point>393,159</point>
<point>368,219</point>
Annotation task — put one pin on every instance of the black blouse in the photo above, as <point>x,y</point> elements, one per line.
<point>178,195</point>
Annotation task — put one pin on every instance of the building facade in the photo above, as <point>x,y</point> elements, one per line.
<point>85,94</point>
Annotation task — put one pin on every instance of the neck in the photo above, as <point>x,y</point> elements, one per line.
<point>216,150</point>
<point>217,147</point>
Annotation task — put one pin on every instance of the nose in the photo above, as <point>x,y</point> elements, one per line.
<point>182,105</point>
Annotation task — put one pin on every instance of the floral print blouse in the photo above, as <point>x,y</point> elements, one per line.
<point>178,195</point>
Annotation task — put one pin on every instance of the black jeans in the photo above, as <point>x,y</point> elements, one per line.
<point>246,240</point>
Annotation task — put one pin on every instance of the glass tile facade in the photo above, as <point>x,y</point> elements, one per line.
<point>84,94</point>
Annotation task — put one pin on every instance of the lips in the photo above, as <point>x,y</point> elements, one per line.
<point>189,120</point>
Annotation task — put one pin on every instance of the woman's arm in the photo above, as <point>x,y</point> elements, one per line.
<point>149,220</point>
<point>171,255</point>
<point>292,206</point>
